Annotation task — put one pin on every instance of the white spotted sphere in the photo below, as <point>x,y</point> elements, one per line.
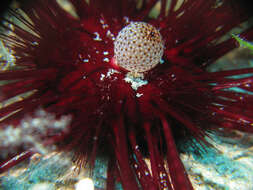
<point>138,47</point>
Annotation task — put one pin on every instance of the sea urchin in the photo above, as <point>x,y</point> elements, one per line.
<point>132,83</point>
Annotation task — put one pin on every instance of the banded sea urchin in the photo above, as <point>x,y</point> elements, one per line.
<point>69,67</point>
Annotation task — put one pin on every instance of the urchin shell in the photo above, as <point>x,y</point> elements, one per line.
<point>138,47</point>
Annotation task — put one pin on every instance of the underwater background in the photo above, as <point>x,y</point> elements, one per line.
<point>228,165</point>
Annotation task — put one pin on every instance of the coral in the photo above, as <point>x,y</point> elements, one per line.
<point>67,65</point>
<point>30,132</point>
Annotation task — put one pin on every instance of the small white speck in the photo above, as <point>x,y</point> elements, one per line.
<point>105,26</point>
<point>161,61</point>
<point>138,95</point>
<point>35,122</point>
<point>110,34</point>
<point>102,77</point>
<point>106,59</point>
<point>86,60</point>
<point>102,21</point>
<point>111,72</point>
<point>106,52</point>
<point>35,43</point>
<point>97,38</point>
<point>126,19</point>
